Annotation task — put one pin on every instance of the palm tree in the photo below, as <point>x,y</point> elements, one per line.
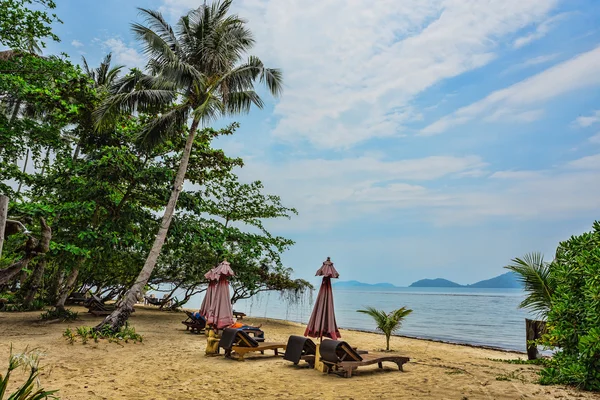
<point>197,74</point>
<point>534,273</point>
<point>388,323</point>
<point>104,75</point>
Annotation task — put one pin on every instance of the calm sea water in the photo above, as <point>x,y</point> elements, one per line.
<point>488,317</point>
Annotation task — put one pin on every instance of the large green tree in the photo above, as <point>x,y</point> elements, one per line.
<point>196,73</point>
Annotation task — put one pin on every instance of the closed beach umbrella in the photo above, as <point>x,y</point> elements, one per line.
<point>207,301</point>
<point>221,314</point>
<point>322,320</point>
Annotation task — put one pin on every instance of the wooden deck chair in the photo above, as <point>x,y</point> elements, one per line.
<point>241,342</point>
<point>300,348</point>
<point>341,358</point>
<point>196,323</point>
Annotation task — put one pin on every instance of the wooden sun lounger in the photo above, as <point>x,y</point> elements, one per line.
<point>196,324</point>
<point>300,348</point>
<point>339,357</point>
<point>237,340</point>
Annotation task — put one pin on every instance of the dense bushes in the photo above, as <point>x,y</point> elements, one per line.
<point>574,317</point>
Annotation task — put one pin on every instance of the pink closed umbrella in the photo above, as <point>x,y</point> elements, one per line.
<point>207,301</point>
<point>221,314</point>
<point>322,320</point>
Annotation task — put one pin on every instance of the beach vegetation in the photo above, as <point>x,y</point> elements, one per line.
<point>388,323</point>
<point>534,274</point>
<point>30,389</point>
<point>84,334</point>
<point>573,320</point>
<point>95,154</point>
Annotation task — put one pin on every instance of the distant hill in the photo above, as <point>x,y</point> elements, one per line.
<point>439,282</point>
<point>508,280</point>
<point>355,284</point>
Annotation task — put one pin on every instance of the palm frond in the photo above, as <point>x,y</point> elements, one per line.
<point>534,273</point>
<point>210,109</point>
<point>160,128</point>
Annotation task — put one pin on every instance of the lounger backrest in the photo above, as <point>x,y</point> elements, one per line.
<point>335,351</point>
<point>245,339</point>
<point>298,346</point>
<point>228,338</point>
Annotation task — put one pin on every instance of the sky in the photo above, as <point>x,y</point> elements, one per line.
<point>416,138</point>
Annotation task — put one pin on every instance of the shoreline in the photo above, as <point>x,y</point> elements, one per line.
<point>433,340</point>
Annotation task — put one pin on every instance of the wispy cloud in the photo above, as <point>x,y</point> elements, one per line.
<point>541,30</point>
<point>531,62</point>
<point>123,53</point>
<point>76,43</point>
<point>516,100</point>
<point>595,139</point>
<point>588,120</point>
<point>353,69</point>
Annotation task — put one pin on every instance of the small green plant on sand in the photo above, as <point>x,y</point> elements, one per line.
<point>61,315</point>
<point>30,389</point>
<point>388,323</point>
<point>85,333</point>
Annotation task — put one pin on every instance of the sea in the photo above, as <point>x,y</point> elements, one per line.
<point>481,317</point>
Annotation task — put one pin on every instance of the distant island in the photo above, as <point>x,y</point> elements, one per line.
<point>508,280</point>
<point>355,284</point>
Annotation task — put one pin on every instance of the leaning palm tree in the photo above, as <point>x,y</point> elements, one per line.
<point>534,273</point>
<point>388,323</point>
<point>196,74</point>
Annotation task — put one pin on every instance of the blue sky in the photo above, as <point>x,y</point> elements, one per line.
<point>417,138</point>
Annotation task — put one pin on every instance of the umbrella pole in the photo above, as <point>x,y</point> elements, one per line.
<point>318,363</point>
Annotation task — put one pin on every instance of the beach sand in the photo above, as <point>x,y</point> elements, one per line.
<point>170,364</point>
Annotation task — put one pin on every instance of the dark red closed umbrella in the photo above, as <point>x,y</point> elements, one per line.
<point>322,320</point>
<point>220,314</point>
<point>208,296</point>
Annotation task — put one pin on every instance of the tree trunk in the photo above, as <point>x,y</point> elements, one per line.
<point>118,317</point>
<point>34,282</point>
<point>68,288</point>
<point>534,330</point>
<point>387,342</point>
<point>3,217</point>
<point>33,248</point>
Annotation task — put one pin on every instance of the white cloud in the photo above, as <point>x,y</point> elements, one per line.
<point>352,69</point>
<point>76,43</point>
<point>588,120</point>
<point>577,73</point>
<point>595,139</point>
<point>327,192</point>
<point>124,54</point>
<point>587,163</point>
<point>541,30</point>
<point>531,62</point>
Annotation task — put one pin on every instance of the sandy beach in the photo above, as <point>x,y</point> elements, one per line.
<point>170,364</point>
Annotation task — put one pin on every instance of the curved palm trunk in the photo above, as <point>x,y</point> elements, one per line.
<point>118,317</point>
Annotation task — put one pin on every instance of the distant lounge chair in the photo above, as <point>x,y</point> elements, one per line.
<point>76,298</point>
<point>238,314</point>
<point>241,342</point>
<point>96,307</point>
<point>196,323</point>
<point>300,348</point>
<point>338,356</point>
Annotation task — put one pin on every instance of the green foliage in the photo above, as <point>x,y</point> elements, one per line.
<point>574,317</point>
<point>21,26</point>
<point>388,323</point>
<point>28,360</point>
<point>537,361</point>
<point>535,275</point>
<point>58,314</point>
<point>84,333</point>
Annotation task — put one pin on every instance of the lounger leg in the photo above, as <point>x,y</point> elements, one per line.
<point>399,364</point>
<point>348,372</point>
<point>276,352</point>
<point>380,364</point>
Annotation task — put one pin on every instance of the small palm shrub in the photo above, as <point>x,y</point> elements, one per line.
<point>537,282</point>
<point>388,323</point>
<point>29,390</point>
<point>84,333</point>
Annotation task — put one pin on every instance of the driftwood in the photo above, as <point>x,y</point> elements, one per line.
<point>535,330</point>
